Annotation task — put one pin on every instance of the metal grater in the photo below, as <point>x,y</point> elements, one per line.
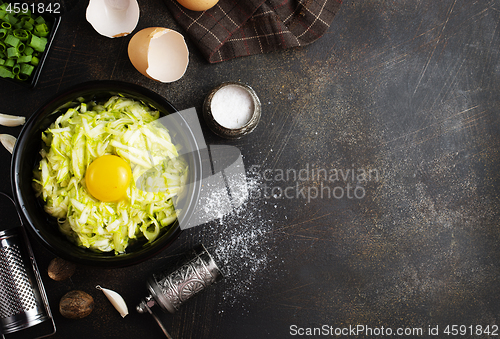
<point>23,302</point>
<point>16,294</point>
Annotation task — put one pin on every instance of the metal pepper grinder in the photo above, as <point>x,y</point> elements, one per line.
<point>172,287</point>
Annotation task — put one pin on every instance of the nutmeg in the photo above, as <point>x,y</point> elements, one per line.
<point>76,304</point>
<point>60,269</point>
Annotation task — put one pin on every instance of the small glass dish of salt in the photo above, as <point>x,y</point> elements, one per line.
<point>232,110</point>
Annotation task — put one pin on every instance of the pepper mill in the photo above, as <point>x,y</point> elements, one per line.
<point>172,287</point>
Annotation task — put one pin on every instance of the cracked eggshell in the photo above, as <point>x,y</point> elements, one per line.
<point>159,53</point>
<point>113,18</point>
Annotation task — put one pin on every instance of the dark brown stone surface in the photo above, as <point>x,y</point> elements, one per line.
<point>405,89</point>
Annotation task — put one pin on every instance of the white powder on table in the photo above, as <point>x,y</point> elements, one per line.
<point>232,106</point>
<point>240,241</point>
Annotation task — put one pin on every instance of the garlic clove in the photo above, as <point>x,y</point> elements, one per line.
<point>8,141</point>
<point>113,18</point>
<point>116,300</point>
<point>11,120</point>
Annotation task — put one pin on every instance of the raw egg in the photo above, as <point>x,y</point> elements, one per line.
<point>108,177</point>
<point>159,53</point>
<point>198,5</point>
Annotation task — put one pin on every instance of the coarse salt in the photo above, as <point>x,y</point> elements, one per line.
<point>232,106</point>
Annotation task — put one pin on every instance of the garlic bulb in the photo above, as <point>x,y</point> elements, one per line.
<point>116,300</point>
<point>11,120</point>
<point>8,141</point>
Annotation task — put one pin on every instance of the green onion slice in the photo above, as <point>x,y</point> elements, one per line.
<point>5,72</point>
<point>27,69</point>
<point>21,34</point>
<point>11,40</point>
<point>22,77</point>
<point>42,30</point>
<point>13,52</point>
<point>24,59</point>
<point>38,43</point>
<point>16,69</point>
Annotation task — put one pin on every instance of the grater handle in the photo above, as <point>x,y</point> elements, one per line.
<point>43,294</point>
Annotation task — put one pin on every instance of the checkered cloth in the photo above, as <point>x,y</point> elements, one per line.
<point>235,28</point>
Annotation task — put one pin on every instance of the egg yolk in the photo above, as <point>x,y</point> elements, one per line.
<point>108,178</point>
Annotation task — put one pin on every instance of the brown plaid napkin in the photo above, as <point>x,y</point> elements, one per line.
<point>235,28</point>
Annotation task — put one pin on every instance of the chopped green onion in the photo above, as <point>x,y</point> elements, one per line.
<point>38,43</point>
<point>11,40</point>
<point>27,69</point>
<point>39,20</point>
<point>23,39</point>
<point>28,25</point>
<point>16,69</point>
<point>13,52</point>
<point>5,72</point>
<point>22,77</point>
<point>12,19</point>
<point>42,30</point>
<point>21,34</point>
<point>24,59</point>
<point>25,16</point>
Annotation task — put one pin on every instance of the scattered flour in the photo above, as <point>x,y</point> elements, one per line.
<point>239,241</point>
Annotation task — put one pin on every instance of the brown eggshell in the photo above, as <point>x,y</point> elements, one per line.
<point>159,53</point>
<point>138,47</point>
